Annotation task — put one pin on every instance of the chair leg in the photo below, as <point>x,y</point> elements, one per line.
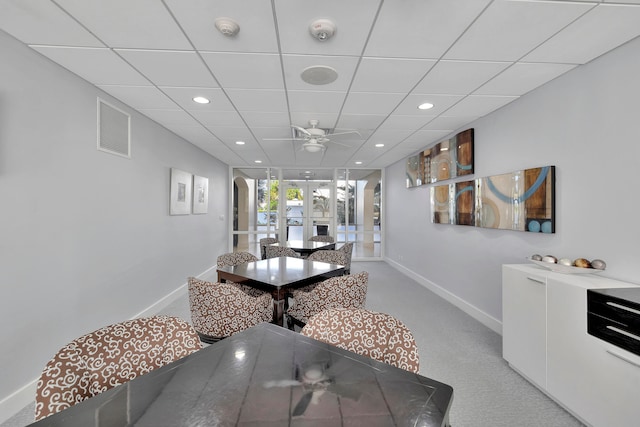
<point>290,322</point>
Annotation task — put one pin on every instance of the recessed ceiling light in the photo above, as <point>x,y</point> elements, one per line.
<point>201,100</point>
<point>358,163</point>
<point>257,161</point>
<point>425,106</point>
<point>239,142</point>
<point>379,145</point>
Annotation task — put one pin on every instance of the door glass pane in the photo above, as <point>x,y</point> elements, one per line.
<point>322,211</point>
<point>295,211</point>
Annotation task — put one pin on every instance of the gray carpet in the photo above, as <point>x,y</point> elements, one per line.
<point>454,349</point>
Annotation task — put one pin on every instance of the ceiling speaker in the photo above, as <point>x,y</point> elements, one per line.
<point>319,75</point>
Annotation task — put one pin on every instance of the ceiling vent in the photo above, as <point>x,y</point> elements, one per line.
<point>319,75</point>
<point>114,130</point>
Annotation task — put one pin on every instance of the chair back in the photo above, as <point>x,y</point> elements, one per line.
<point>278,251</point>
<point>379,336</point>
<point>264,242</point>
<point>325,238</point>
<point>219,310</point>
<point>110,356</point>
<point>332,257</point>
<point>347,248</point>
<point>235,258</point>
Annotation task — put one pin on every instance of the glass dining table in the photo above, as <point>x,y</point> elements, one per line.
<point>267,376</point>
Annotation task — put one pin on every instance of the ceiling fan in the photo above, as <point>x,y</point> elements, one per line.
<point>314,137</point>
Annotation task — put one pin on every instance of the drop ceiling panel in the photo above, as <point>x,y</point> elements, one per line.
<point>140,97</point>
<point>353,20</point>
<point>96,65</point>
<point>326,120</point>
<point>245,70</point>
<point>508,30</point>
<point>371,103</point>
<point>294,65</point>
<point>170,117</point>
<point>390,74</point>
<point>449,122</point>
<point>230,135</point>
<point>322,102</point>
<point>479,105</point>
<point>140,24</point>
<point>441,103</point>
<point>602,29</point>
<point>405,122</point>
<point>258,100</point>
<point>459,77</point>
<point>170,68</point>
<point>215,119</point>
<point>259,119</point>
<point>42,22</point>
<point>255,18</point>
<point>183,96</point>
<point>360,121</point>
<point>522,78</point>
<point>423,29</point>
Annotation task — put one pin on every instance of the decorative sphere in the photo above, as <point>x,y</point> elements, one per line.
<point>546,227</point>
<point>534,226</point>
<point>598,264</point>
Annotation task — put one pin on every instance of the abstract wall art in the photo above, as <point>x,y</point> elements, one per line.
<point>180,192</point>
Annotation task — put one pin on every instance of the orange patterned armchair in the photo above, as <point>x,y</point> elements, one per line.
<point>375,335</point>
<point>336,292</point>
<point>110,356</point>
<point>219,310</point>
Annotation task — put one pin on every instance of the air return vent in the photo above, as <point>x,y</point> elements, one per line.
<point>114,130</point>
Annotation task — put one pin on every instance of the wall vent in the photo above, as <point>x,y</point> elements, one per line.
<point>114,130</point>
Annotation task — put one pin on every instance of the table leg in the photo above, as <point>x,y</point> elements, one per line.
<point>278,311</point>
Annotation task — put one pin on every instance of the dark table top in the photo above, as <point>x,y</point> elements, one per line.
<point>281,271</point>
<point>305,245</point>
<point>267,376</point>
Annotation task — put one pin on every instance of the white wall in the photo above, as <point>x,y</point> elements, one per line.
<point>85,237</point>
<point>586,123</point>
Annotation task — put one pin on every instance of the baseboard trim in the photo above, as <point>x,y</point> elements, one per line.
<point>18,400</point>
<point>482,317</point>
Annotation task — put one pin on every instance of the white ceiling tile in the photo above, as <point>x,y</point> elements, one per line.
<point>322,102</point>
<point>170,117</point>
<point>479,105</point>
<point>508,30</point>
<point>600,30</point>
<point>422,29</point>
<point>268,119</point>
<point>371,103</point>
<point>42,22</point>
<point>294,65</point>
<point>183,96</point>
<point>389,74</point>
<point>423,139</point>
<point>245,70</point>
<point>440,103</point>
<point>95,65</point>
<point>448,123</point>
<point>522,78</point>
<point>325,120</point>
<point>230,135</point>
<point>399,122</point>
<point>360,121</point>
<point>459,77</point>
<point>215,119</point>
<point>140,97</point>
<point>353,20</point>
<point>258,99</point>
<point>170,68</point>
<point>139,24</point>
<point>255,18</point>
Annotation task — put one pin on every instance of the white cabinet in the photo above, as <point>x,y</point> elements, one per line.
<point>596,381</point>
<point>524,333</point>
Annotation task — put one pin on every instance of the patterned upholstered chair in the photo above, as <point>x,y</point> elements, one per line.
<point>110,356</point>
<point>347,248</point>
<point>328,239</point>
<point>379,336</point>
<point>332,257</point>
<point>235,258</point>
<point>219,310</point>
<point>337,292</point>
<point>278,251</point>
<point>264,242</point>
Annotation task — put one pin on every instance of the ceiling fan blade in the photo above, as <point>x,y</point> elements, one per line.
<point>344,133</point>
<point>301,130</point>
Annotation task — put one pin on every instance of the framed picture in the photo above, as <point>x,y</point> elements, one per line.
<point>180,192</point>
<point>200,194</point>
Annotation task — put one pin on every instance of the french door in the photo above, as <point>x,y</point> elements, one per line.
<point>309,209</point>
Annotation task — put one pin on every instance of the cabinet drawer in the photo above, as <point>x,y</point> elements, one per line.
<point>614,319</point>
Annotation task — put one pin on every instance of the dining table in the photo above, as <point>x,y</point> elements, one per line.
<point>278,276</point>
<point>306,247</point>
<point>267,376</point>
